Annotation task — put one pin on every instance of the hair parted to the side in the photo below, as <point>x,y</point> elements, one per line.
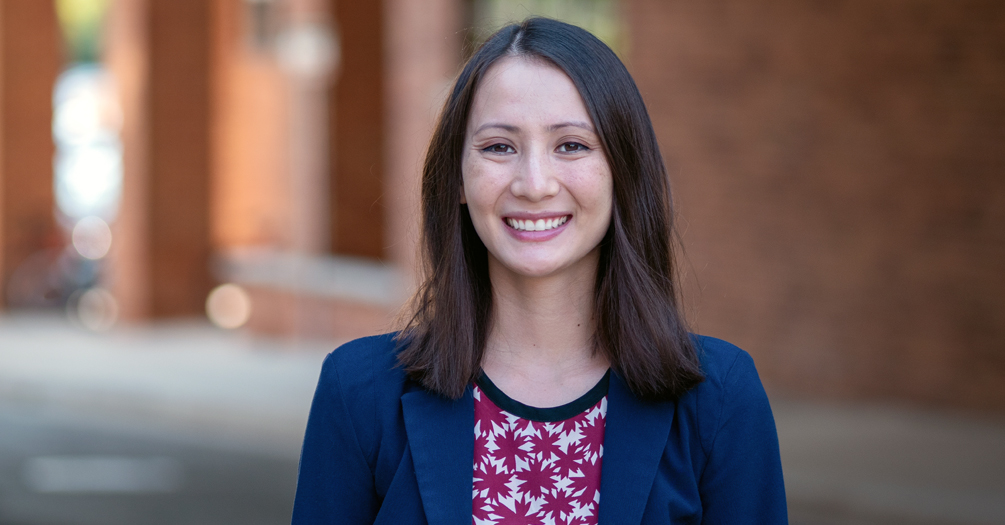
<point>639,324</point>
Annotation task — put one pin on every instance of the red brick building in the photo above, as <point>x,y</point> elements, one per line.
<point>839,169</point>
<point>837,166</point>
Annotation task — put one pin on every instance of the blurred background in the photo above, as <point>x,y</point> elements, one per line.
<point>200,198</point>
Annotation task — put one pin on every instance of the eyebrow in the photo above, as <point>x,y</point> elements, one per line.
<point>554,127</point>
<point>491,125</point>
<point>574,124</point>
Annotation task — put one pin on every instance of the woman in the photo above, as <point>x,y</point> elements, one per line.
<point>547,375</point>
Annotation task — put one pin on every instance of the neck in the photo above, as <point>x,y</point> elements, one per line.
<point>542,327</point>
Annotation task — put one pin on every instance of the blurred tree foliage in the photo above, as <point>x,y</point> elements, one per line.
<point>81,23</point>
<point>600,17</point>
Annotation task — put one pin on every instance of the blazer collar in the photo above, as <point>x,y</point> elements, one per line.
<point>441,437</point>
<point>635,437</point>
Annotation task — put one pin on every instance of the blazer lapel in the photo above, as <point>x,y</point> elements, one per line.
<point>441,437</point>
<point>635,437</point>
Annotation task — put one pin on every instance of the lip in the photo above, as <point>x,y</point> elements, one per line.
<point>535,215</point>
<point>535,236</point>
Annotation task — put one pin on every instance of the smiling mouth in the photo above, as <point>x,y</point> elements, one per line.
<point>539,225</point>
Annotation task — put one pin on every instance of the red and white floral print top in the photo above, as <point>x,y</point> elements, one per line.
<point>537,465</point>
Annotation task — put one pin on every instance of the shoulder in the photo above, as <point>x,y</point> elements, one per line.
<point>731,388</point>
<point>354,437</point>
<point>366,356</point>
<point>364,376</point>
<point>723,364</point>
<point>739,468</point>
<point>365,366</point>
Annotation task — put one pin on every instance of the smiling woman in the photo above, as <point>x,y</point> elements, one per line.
<point>535,177</point>
<point>547,374</point>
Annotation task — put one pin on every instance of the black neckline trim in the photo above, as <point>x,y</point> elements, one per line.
<point>547,415</point>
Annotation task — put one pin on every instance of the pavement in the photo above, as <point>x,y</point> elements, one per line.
<point>889,464</point>
<point>214,419</point>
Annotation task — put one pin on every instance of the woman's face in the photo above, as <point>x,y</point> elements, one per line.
<point>535,177</point>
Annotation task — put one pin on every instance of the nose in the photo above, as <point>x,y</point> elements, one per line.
<point>535,179</point>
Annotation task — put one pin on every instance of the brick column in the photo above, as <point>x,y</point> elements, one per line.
<point>251,127</point>
<point>398,58</point>
<point>357,130</point>
<point>423,40</point>
<point>159,52</point>
<point>29,63</point>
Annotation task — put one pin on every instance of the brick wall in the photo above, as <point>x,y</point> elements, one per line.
<point>30,59</point>
<point>840,172</point>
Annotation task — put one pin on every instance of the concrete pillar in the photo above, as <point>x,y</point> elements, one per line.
<point>30,59</point>
<point>159,53</point>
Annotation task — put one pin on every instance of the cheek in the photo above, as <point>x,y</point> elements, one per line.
<point>609,196</point>
<point>471,194</point>
<point>475,195</point>
<point>596,189</point>
<point>470,179</point>
<point>481,185</point>
<point>605,207</point>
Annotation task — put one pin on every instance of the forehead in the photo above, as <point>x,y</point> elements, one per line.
<point>520,88</point>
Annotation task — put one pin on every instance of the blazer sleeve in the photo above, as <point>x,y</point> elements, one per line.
<point>335,483</point>
<point>742,479</point>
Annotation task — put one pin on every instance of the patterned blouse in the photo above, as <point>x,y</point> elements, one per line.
<point>537,465</point>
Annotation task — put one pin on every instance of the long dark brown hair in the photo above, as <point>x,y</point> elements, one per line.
<point>639,324</point>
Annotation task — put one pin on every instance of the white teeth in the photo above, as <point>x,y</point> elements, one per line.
<point>536,226</point>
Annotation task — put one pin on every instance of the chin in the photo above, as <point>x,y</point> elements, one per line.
<point>534,270</point>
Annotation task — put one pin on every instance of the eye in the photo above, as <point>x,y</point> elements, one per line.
<point>499,148</point>
<point>572,147</point>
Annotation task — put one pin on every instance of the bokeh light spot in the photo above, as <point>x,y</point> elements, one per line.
<point>91,237</point>
<point>228,306</point>
<point>96,309</point>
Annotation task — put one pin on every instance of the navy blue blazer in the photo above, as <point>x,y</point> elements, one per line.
<point>381,449</point>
